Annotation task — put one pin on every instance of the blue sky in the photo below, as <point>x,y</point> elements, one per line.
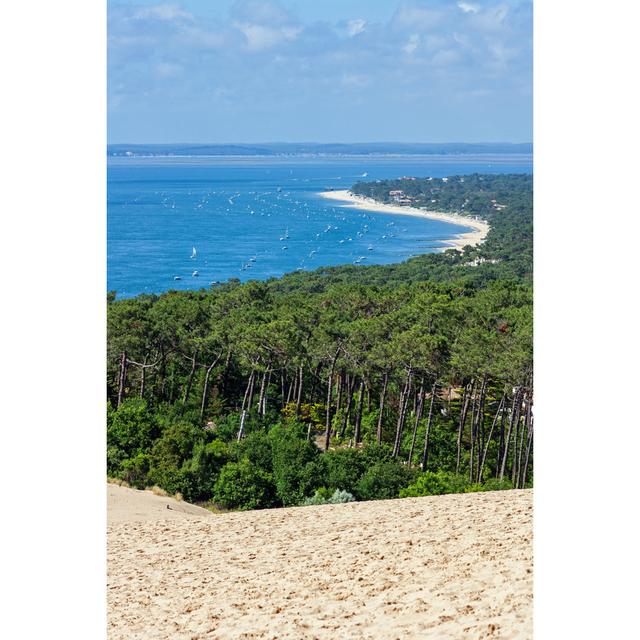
<point>320,70</point>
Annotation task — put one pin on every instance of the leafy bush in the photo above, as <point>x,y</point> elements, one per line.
<point>291,454</point>
<point>493,484</point>
<point>344,468</point>
<point>131,430</point>
<point>203,469</point>
<point>256,447</point>
<point>242,485</point>
<point>383,480</point>
<point>135,471</point>
<point>436,483</point>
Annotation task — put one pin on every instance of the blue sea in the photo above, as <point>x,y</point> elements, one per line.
<point>183,223</point>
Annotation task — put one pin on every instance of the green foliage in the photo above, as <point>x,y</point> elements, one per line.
<point>242,485</point>
<point>436,483</point>
<point>203,468</point>
<point>256,447</point>
<point>453,316</point>
<point>344,468</point>
<point>131,430</point>
<point>135,471</point>
<point>493,484</point>
<point>383,480</point>
<point>291,455</point>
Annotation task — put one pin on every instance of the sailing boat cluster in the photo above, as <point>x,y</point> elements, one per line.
<point>195,273</point>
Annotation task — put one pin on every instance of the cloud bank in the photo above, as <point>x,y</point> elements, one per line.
<point>436,70</point>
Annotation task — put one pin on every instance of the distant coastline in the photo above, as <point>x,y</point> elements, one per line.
<point>311,149</point>
<point>479,232</point>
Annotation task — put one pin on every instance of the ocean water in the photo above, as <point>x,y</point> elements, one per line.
<point>257,218</point>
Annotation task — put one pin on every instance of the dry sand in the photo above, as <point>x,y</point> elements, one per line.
<point>474,237</point>
<point>443,567</point>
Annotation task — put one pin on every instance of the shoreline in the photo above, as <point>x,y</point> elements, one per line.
<point>474,237</point>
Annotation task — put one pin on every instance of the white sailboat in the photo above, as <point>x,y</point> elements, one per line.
<point>193,252</point>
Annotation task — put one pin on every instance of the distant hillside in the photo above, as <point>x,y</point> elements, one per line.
<point>312,148</point>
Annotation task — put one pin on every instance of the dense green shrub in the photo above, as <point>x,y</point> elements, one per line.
<point>383,480</point>
<point>242,485</point>
<point>256,447</point>
<point>291,454</point>
<point>135,471</point>
<point>131,430</point>
<point>493,484</point>
<point>435,483</point>
<point>344,468</point>
<point>203,468</point>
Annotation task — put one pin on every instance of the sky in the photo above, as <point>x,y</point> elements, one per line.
<point>319,71</point>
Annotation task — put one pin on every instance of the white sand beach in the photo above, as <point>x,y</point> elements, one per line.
<point>442,567</point>
<point>474,237</point>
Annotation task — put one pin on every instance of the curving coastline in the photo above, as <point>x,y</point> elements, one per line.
<point>479,228</point>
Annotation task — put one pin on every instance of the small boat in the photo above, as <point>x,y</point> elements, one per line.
<point>285,248</point>
<point>193,252</point>
<point>370,247</point>
<point>177,278</point>
<point>364,175</point>
<point>195,274</point>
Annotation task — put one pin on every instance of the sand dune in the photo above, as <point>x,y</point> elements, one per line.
<point>442,567</point>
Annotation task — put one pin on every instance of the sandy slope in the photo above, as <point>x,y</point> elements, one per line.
<point>474,237</point>
<point>454,566</point>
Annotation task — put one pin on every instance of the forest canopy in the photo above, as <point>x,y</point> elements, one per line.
<point>344,383</point>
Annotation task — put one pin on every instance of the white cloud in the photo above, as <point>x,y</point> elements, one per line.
<point>354,27</point>
<point>412,44</point>
<point>164,12</point>
<point>260,37</point>
<point>468,8</point>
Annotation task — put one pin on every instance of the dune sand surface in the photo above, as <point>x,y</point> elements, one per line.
<point>442,567</point>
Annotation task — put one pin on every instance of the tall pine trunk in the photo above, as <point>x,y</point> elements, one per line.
<point>122,378</point>
<point>358,421</point>
<point>463,418</point>
<point>327,431</point>
<point>416,422</point>
<point>383,395</point>
<point>483,459</point>
<point>402,409</point>
<point>425,451</point>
